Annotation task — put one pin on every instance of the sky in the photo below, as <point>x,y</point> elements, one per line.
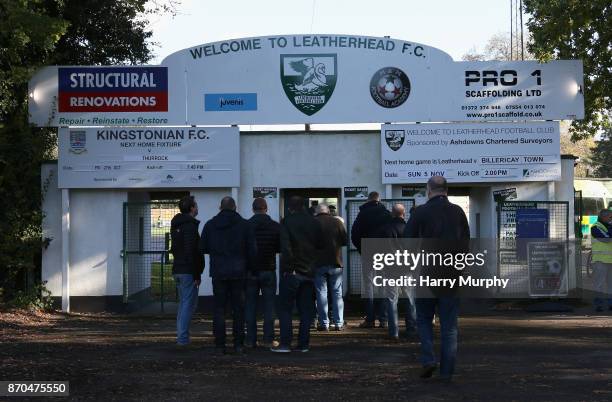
<point>450,25</point>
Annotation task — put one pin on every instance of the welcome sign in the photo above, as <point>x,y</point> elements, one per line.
<point>307,79</point>
<point>471,152</point>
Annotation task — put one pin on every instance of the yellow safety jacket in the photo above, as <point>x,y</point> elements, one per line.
<point>601,248</point>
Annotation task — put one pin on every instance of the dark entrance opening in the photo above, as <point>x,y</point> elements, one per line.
<point>312,197</point>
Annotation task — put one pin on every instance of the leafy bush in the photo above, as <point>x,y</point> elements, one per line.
<point>38,297</point>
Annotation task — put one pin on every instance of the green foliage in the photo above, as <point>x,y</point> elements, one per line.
<point>578,29</point>
<point>37,297</point>
<point>602,155</point>
<point>34,33</point>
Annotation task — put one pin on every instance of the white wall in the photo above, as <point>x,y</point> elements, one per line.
<point>283,160</point>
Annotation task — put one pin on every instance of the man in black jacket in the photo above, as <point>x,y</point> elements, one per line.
<point>329,269</point>
<point>262,274</point>
<point>443,226</point>
<point>301,240</point>
<point>187,266</point>
<point>229,241</point>
<point>395,230</point>
<point>371,218</point>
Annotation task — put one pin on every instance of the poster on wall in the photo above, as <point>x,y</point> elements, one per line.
<point>356,192</point>
<point>151,157</point>
<point>506,194</point>
<point>547,264</point>
<point>265,192</point>
<point>470,152</point>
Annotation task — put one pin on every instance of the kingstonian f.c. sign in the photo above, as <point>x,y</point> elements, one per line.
<point>306,79</point>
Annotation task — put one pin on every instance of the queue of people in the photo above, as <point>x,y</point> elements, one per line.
<point>243,264</point>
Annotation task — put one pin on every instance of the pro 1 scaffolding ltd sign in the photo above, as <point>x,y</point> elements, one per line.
<point>149,157</point>
<point>471,152</point>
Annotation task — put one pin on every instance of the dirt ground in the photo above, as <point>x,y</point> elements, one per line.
<point>510,356</point>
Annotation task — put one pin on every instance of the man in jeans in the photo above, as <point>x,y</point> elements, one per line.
<point>444,224</point>
<point>230,242</point>
<point>187,266</point>
<point>301,240</point>
<point>329,269</point>
<point>262,274</point>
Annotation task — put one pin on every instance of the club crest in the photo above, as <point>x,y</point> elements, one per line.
<point>308,80</point>
<point>395,138</point>
<point>78,140</point>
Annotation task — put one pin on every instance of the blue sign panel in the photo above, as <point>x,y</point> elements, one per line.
<point>531,224</point>
<point>230,102</point>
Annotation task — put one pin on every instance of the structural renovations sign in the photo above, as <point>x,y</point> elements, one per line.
<point>151,157</point>
<point>307,79</point>
<point>471,152</point>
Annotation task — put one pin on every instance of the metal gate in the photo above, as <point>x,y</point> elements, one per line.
<point>353,257</point>
<point>147,263</point>
<point>508,263</point>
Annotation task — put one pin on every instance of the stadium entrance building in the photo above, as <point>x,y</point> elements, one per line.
<point>132,140</point>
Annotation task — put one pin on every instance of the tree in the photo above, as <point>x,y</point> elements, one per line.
<point>578,29</point>
<point>498,48</point>
<point>35,33</point>
<point>580,148</point>
<point>602,155</point>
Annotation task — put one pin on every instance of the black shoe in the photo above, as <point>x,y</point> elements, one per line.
<point>339,327</point>
<point>367,324</point>
<point>382,324</point>
<point>322,328</point>
<point>427,371</point>
<point>394,339</point>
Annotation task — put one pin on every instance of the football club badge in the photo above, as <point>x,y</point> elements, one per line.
<point>390,87</point>
<point>308,80</point>
<point>78,140</point>
<point>395,138</point>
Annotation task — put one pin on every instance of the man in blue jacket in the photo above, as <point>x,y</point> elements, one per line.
<point>230,242</point>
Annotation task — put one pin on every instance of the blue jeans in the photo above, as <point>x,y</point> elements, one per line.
<point>448,309</point>
<point>234,290</point>
<point>266,282</point>
<point>295,288</point>
<point>410,317</point>
<point>329,276</point>
<point>188,302</point>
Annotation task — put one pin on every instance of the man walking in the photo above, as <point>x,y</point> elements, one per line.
<point>395,230</point>
<point>262,274</point>
<point>187,266</point>
<point>329,269</point>
<point>601,253</point>
<point>446,222</point>
<point>229,241</point>
<point>301,240</point>
<point>371,218</point>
